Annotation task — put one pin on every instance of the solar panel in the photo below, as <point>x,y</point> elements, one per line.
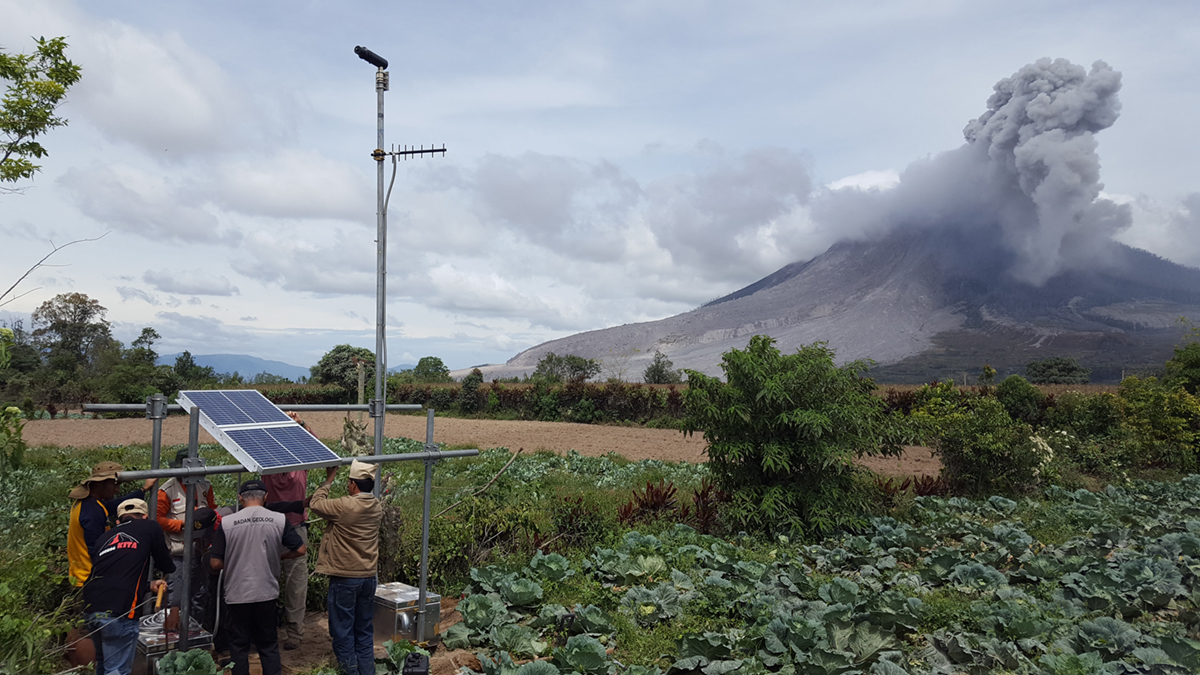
<point>256,432</point>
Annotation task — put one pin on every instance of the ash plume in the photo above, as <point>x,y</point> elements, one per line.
<point>1027,179</point>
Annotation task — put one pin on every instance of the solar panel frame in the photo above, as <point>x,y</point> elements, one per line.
<point>256,432</point>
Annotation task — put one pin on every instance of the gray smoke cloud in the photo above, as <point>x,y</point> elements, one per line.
<point>1029,168</point>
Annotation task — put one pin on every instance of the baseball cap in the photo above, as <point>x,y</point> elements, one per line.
<point>360,470</point>
<point>252,485</point>
<point>132,506</point>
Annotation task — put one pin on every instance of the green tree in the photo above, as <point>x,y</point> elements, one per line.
<point>1022,400</point>
<point>337,367</point>
<point>1057,370</point>
<point>70,326</point>
<point>468,394</point>
<point>784,432</point>
<point>1183,369</point>
<point>130,375</point>
<point>37,85</point>
<point>661,371</point>
<point>568,368</point>
<point>193,375</point>
<point>431,370</point>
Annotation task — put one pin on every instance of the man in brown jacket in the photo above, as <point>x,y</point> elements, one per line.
<point>349,554</point>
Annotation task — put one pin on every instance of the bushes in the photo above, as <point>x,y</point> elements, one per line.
<point>306,394</point>
<point>983,450</point>
<point>1021,400</point>
<point>784,432</point>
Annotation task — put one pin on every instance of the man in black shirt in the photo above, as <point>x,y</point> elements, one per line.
<point>111,593</point>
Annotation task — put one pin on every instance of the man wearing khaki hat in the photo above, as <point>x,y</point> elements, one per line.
<point>117,581</point>
<point>349,554</point>
<point>94,501</point>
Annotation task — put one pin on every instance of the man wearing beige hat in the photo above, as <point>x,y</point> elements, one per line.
<point>113,590</point>
<point>94,501</point>
<point>349,554</point>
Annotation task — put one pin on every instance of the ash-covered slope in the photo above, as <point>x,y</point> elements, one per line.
<point>927,299</point>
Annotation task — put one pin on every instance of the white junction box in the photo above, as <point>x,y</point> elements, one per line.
<point>396,614</point>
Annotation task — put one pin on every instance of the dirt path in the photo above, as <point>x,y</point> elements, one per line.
<point>588,439</point>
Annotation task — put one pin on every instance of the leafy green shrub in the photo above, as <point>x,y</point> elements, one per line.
<point>661,371</point>
<point>1164,422</point>
<point>305,393</point>
<point>983,450</point>
<point>1057,370</point>
<point>1087,415</point>
<point>468,393</point>
<point>1183,369</point>
<point>1022,400</point>
<point>783,434</point>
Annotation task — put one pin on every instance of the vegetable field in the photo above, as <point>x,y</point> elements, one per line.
<point>1072,582</point>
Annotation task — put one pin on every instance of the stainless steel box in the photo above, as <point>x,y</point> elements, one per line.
<point>396,614</point>
<point>152,644</point>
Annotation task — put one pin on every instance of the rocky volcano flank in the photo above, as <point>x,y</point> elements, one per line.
<point>922,306</point>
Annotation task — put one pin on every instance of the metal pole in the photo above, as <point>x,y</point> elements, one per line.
<point>381,85</point>
<point>156,410</point>
<point>429,447</point>
<point>299,407</point>
<point>189,506</point>
<point>200,470</point>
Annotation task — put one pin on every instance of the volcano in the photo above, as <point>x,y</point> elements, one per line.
<point>1000,252</point>
<point>923,306</point>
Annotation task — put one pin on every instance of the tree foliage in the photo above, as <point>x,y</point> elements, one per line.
<point>37,84</point>
<point>783,433</point>
<point>431,370</point>
<point>71,327</point>
<point>1183,369</point>
<point>1057,370</point>
<point>568,368</point>
<point>337,367</point>
<point>661,371</point>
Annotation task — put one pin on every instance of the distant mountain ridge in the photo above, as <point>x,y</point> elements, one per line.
<point>923,306</point>
<point>242,364</point>
<point>249,366</point>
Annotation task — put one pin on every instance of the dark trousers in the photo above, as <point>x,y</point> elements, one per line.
<point>351,609</point>
<point>253,623</point>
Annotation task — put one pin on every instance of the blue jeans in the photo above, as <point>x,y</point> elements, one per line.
<point>116,644</point>
<point>351,608</point>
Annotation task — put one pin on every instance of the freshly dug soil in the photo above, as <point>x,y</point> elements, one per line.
<point>634,443</point>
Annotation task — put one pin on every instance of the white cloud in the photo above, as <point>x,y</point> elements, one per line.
<point>189,282</point>
<point>294,184</point>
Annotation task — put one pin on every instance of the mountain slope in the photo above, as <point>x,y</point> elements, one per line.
<point>921,305</point>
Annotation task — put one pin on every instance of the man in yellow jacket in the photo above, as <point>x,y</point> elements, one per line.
<point>93,505</point>
<point>349,555</point>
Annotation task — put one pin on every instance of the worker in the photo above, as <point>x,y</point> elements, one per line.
<point>94,501</point>
<point>170,513</point>
<point>114,586</point>
<point>349,555</point>
<point>291,486</point>
<point>250,546</point>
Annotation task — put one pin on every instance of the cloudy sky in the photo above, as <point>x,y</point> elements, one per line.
<point>609,162</point>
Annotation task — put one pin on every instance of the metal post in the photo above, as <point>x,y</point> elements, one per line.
<point>381,85</point>
<point>156,410</point>
<point>189,506</point>
<point>429,447</point>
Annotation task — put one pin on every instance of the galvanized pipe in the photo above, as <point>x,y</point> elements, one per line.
<point>189,506</point>
<point>298,407</point>
<point>155,411</point>
<point>429,447</point>
<point>235,468</point>
<point>381,79</point>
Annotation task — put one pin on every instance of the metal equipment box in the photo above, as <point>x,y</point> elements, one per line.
<point>396,614</point>
<point>152,644</point>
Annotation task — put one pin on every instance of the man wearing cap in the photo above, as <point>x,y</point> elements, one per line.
<point>94,501</point>
<point>350,556</point>
<point>115,584</point>
<point>290,486</point>
<point>249,546</point>
<point>170,512</point>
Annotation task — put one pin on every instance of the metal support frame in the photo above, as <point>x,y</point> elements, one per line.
<point>430,447</point>
<point>189,506</point>
<point>156,410</point>
<point>194,468</point>
<point>381,86</point>
<point>297,407</point>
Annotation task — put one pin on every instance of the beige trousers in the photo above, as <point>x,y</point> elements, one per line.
<point>295,594</point>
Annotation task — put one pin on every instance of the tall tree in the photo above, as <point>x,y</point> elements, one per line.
<point>70,325</point>
<point>37,85</point>
<point>337,367</point>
